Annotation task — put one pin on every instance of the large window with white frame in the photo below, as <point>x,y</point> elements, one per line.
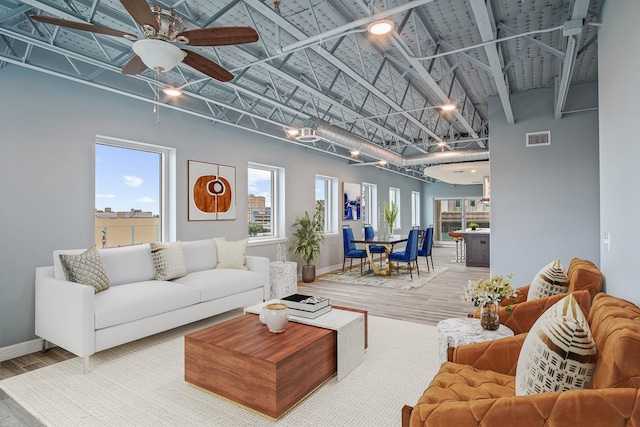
<point>326,202</point>
<point>265,208</point>
<point>394,196</point>
<point>415,208</point>
<point>134,193</point>
<point>370,203</point>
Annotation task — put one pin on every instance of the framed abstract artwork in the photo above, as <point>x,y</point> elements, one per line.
<point>352,201</point>
<point>212,191</point>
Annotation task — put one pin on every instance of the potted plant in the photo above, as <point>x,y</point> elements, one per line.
<point>390,214</point>
<point>487,294</point>
<point>309,235</point>
<point>473,225</point>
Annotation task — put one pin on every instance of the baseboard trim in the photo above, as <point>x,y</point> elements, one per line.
<point>20,349</point>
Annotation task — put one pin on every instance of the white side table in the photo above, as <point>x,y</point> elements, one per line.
<point>463,330</point>
<point>283,279</point>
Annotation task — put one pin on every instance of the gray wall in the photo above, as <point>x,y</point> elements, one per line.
<point>49,128</point>
<point>619,149</point>
<point>544,200</point>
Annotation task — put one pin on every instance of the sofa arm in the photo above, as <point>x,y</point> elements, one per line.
<point>500,355</point>
<point>594,408</point>
<point>64,313</point>
<point>260,265</point>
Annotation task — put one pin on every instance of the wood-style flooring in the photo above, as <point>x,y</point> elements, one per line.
<point>439,299</point>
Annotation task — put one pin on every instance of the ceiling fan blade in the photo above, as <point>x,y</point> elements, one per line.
<point>220,36</point>
<point>206,66</point>
<point>82,26</point>
<point>140,12</point>
<point>134,66</point>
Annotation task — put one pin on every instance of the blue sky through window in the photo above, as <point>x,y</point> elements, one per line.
<point>127,179</point>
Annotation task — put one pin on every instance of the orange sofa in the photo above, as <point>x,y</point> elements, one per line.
<point>585,281</point>
<point>477,387</point>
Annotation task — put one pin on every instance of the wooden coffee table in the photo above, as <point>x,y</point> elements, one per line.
<point>242,361</point>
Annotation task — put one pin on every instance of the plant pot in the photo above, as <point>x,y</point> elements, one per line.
<point>308,273</point>
<point>473,228</point>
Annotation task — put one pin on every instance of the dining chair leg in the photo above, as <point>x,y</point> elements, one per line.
<point>417,268</point>
<point>410,270</point>
<point>344,260</point>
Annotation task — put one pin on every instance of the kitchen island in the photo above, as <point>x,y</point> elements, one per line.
<point>478,247</point>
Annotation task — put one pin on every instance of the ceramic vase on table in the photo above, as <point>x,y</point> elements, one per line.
<point>275,316</point>
<point>489,318</point>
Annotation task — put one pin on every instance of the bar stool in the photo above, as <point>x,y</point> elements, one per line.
<point>458,237</point>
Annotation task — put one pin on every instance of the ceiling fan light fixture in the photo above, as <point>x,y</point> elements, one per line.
<point>380,27</point>
<point>158,55</point>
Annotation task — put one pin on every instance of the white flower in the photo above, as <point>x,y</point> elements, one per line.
<point>486,291</point>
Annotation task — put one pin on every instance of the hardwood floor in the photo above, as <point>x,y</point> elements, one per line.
<point>439,299</point>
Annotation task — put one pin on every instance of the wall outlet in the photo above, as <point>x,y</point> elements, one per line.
<point>606,241</point>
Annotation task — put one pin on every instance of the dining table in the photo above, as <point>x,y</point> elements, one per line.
<point>388,243</point>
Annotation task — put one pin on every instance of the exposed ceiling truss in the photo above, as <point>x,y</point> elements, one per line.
<point>315,60</point>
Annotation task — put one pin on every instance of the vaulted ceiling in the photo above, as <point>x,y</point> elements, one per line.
<point>315,60</point>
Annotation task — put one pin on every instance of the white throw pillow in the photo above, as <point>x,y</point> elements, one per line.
<point>231,254</point>
<point>86,268</point>
<point>559,352</point>
<point>168,260</point>
<point>551,280</point>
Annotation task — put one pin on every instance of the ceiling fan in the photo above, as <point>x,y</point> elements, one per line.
<point>162,30</point>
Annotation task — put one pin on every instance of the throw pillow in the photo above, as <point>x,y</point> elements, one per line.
<point>231,254</point>
<point>559,352</point>
<point>86,269</point>
<point>551,280</point>
<point>168,260</point>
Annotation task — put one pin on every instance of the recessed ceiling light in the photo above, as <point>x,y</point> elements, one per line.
<point>473,171</point>
<point>172,91</point>
<point>448,107</point>
<point>380,27</point>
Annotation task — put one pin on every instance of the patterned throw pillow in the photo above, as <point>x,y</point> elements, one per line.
<point>559,352</point>
<point>551,280</point>
<point>231,254</point>
<point>168,260</point>
<point>86,269</point>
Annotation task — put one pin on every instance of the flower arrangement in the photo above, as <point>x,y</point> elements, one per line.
<point>486,291</point>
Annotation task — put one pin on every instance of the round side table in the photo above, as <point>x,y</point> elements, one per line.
<point>283,279</point>
<point>463,330</point>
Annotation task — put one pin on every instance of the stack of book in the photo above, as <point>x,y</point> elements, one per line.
<point>306,306</point>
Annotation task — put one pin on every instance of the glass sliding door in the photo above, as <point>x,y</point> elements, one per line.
<point>478,212</point>
<point>451,216</point>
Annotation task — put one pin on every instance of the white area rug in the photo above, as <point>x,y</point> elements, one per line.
<point>142,384</point>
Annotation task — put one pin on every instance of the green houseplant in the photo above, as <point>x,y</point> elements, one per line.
<point>309,235</point>
<point>473,225</point>
<point>390,214</point>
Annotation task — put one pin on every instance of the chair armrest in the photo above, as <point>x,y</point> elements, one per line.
<point>593,408</point>
<point>64,313</point>
<point>260,265</point>
<point>500,355</point>
<point>525,314</point>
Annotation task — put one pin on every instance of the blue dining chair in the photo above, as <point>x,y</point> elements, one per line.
<point>350,250</point>
<point>427,245</point>
<point>374,249</point>
<point>410,253</point>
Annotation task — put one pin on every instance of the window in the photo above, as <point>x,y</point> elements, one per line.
<point>415,208</point>
<point>134,197</point>
<point>326,194</point>
<point>265,198</point>
<point>370,203</point>
<point>394,196</point>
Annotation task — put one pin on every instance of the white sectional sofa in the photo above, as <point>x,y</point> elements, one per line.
<point>136,305</point>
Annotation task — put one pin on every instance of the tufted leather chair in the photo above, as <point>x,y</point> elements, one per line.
<point>477,386</point>
<point>585,281</point>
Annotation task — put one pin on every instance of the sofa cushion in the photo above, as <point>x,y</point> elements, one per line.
<point>218,283</point>
<point>463,383</point>
<point>550,280</point>
<point>231,254</point>
<point>168,260</point>
<point>559,353</point>
<point>122,304</point>
<point>128,264</point>
<point>200,255</point>
<point>86,268</point>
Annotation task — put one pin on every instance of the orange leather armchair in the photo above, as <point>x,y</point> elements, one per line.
<point>585,281</point>
<point>477,387</point>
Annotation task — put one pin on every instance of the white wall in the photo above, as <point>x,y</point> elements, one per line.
<point>49,127</point>
<point>619,91</point>
<point>544,200</point>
